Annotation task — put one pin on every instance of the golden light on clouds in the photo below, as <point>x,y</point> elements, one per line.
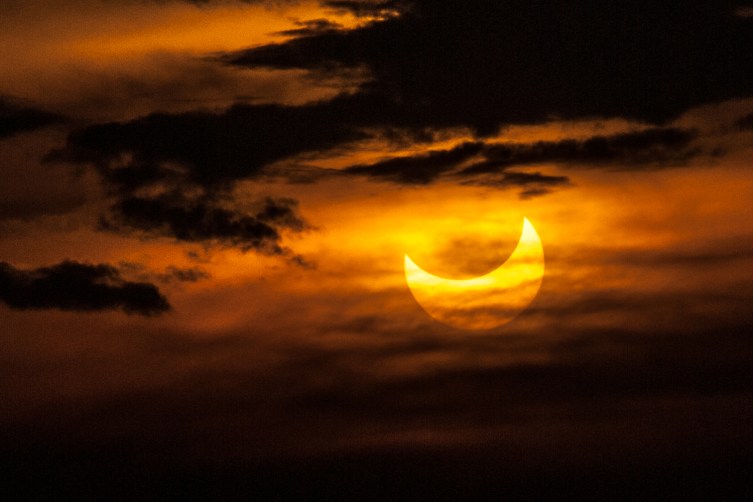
<point>112,60</point>
<point>244,242</point>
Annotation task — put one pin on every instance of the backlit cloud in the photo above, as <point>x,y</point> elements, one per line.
<point>78,287</point>
<point>644,61</point>
<point>16,118</point>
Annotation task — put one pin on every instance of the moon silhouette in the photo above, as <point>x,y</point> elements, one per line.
<point>487,301</point>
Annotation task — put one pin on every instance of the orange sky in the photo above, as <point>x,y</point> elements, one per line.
<point>320,348</point>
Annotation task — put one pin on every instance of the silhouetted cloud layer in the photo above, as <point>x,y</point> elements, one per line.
<point>432,67</point>
<point>367,8</point>
<point>208,149</point>
<point>205,220</point>
<point>489,163</point>
<point>745,123</point>
<point>193,274</point>
<point>15,118</point>
<point>649,148</point>
<point>488,64</point>
<point>419,169</point>
<point>79,287</point>
<point>531,184</point>
<point>313,27</point>
<point>202,154</point>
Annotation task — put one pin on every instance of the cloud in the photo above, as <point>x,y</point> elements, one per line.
<point>205,148</point>
<point>312,27</point>
<point>368,8</point>
<point>172,175</point>
<point>651,147</point>
<point>170,275</point>
<point>489,164</point>
<point>192,274</point>
<point>29,189</point>
<point>205,220</point>
<point>361,8</point>
<point>745,123</point>
<point>15,118</point>
<point>572,398</point>
<point>78,287</point>
<point>532,184</point>
<point>419,169</point>
<point>262,2</point>
<point>488,64</point>
<point>433,67</point>
<point>602,401</point>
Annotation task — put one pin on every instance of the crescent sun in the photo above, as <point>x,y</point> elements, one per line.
<point>488,301</point>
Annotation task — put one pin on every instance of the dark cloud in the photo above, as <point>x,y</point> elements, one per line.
<point>606,409</point>
<point>205,148</point>
<point>78,287</point>
<point>192,274</point>
<point>281,212</point>
<point>171,274</point>
<point>29,189</point>
<point>488,64</point>
<point>419,169</point>
<point>489,163</point>
<point>361,8</point>
<point>368,8</point>
<point>15,118</point>
<point>435,66</point>
<point>652,147</point>
<point>532,184</point>
<point>205,220</point>
<point>745,123</point>
<point>262,2</point>
<point>600,404</point>
<point>312,27</point>
<point>192,160</point>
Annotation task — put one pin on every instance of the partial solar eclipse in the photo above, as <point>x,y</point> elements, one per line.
<point>487,301</point>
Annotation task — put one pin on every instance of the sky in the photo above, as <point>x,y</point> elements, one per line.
<point>205,209</point>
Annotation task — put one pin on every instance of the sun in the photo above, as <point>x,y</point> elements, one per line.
<point>487,301</point>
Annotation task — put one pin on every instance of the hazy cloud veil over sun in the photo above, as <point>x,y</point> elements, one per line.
<point>206,207</point>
